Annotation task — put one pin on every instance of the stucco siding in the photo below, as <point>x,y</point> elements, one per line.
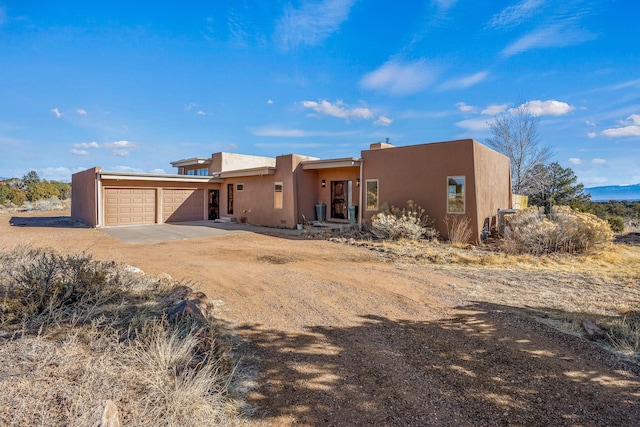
<point>84,197</point>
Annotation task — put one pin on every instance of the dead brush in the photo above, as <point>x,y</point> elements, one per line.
<point>411,222</point>
<point>76,331</point>
<point>458,230</point>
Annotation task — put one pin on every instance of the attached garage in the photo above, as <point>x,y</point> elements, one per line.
<point>182,205</point>
<point>129,206</point>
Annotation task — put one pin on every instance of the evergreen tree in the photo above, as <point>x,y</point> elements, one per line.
<point>555,185</point>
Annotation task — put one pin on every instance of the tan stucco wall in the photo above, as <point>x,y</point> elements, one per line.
<point>84,202</point>
<point>224,162</point>
<point>419,173</point>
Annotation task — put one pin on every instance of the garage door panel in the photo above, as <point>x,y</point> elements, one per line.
<point>182,205</point>
<point>129,206</point>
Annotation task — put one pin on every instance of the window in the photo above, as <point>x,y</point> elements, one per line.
<point>455,194</point>
<point>202,172</point>
<point>239,187</point>
<point>181,171</point>
<point>277,196</point>
<point>372,194</point>
<point>191,172</point>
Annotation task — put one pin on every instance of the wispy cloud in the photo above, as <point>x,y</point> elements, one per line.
<point>279,132</point>
<point>494,109</point>
<point>311,23</point>
<point>628,127</point>
<point>444,5</point>
<point>575,161</point>
<point>338,109</point>
<point>383,121</point>
<point>559,34</point>
<point>81,111</point>
<point>598,161</point>
<point>465,108</point>
<point>401,78</point>
<point>475,125</point>
<point>56,112</point>
<point>516,14</point>
<point>117,148</point>
<point>548,108</point>
<point>465,82</point>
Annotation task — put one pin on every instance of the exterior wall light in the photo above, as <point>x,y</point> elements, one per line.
<point>324,183</point>
<point>357,182</point>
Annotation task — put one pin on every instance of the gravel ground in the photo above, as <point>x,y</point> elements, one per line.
<point>332,336</point>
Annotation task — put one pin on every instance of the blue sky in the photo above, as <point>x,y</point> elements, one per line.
<point>132,86</point>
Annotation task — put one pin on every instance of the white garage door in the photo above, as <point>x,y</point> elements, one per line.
<point>182,205</point>
<point>129,206</point>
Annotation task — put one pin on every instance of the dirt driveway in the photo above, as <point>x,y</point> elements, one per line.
<point>333,336</point>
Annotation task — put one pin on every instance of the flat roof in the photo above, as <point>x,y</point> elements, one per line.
<point>345,162</point>
<point>134,176</point>
<point>191,161</point>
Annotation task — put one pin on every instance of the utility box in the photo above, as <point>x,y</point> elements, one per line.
<point>503,219</point>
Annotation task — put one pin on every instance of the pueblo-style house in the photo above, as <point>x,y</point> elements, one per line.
<point>460,177</point>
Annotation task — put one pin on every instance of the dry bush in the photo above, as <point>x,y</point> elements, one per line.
<point>458,229</point>
<point>75,331</point>
<point>564,230</point>
<point>410,223</point>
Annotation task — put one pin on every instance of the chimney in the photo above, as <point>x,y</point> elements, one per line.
<point>380,145</point>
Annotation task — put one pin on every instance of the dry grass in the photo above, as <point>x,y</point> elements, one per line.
<point>561,289</point>
<point>75,332</point>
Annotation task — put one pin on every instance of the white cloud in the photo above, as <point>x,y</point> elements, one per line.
<point>59,173</point>
<point>79,152</point>
<point>311,23</point>
<point>444,4</point>
<point>338,109</point>
<point>401,78</point>
<point>465,108</point>
<point>559,34</point>
<point>575,161</point>
<point>516,14</point>
<point>92,144</point>
<point>120,148</point>
<point>495,109</point>
<point>592,135</point>
<point>270,102</point>
<point>465,82</point>
<point>630,127</point>
<point>474,124</point>
<point>383,121</point>
<point>57,112</point>
<point>598,161</point>
<point>590,123</point>
<point>275,131</point>
<point>127,169</point>
<point>158,171</point>
<point>190,106</point>
<point>81,111</point>
<point>201,113</point>
<point>548,108</point>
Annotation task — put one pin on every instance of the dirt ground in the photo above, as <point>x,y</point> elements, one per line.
<point>333,336</point>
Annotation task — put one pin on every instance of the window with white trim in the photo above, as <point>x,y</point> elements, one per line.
<point>455,194</point>
<point>372,194</point>
<point>278,201</point>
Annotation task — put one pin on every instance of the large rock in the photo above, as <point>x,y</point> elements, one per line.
<point>183,301</point>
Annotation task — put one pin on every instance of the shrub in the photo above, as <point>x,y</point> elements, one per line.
<point>17,197</point>
<point>458,229</point>
<point>616,223</point>
<point>411,223</point>
<point>563,230</point>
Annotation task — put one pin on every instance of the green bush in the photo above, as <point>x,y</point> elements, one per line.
<point>563,230</point>
<point>616,223</point>
<point>17,197</point>
<point>409,223</point>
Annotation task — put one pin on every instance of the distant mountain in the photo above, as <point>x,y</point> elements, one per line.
<point>614,192</point>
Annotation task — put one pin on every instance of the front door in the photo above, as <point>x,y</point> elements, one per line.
<point>339,199</point>
<point>214,204</point>
<point>230,199</point>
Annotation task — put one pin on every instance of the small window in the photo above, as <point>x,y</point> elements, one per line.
<point>203,172</point>
<point>239,187</point>
<point>372,194</point>
<point>455,194</point>
<point>277,199</point>
<point>191,172</point>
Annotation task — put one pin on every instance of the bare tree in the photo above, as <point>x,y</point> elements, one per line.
<point>515,134</point>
